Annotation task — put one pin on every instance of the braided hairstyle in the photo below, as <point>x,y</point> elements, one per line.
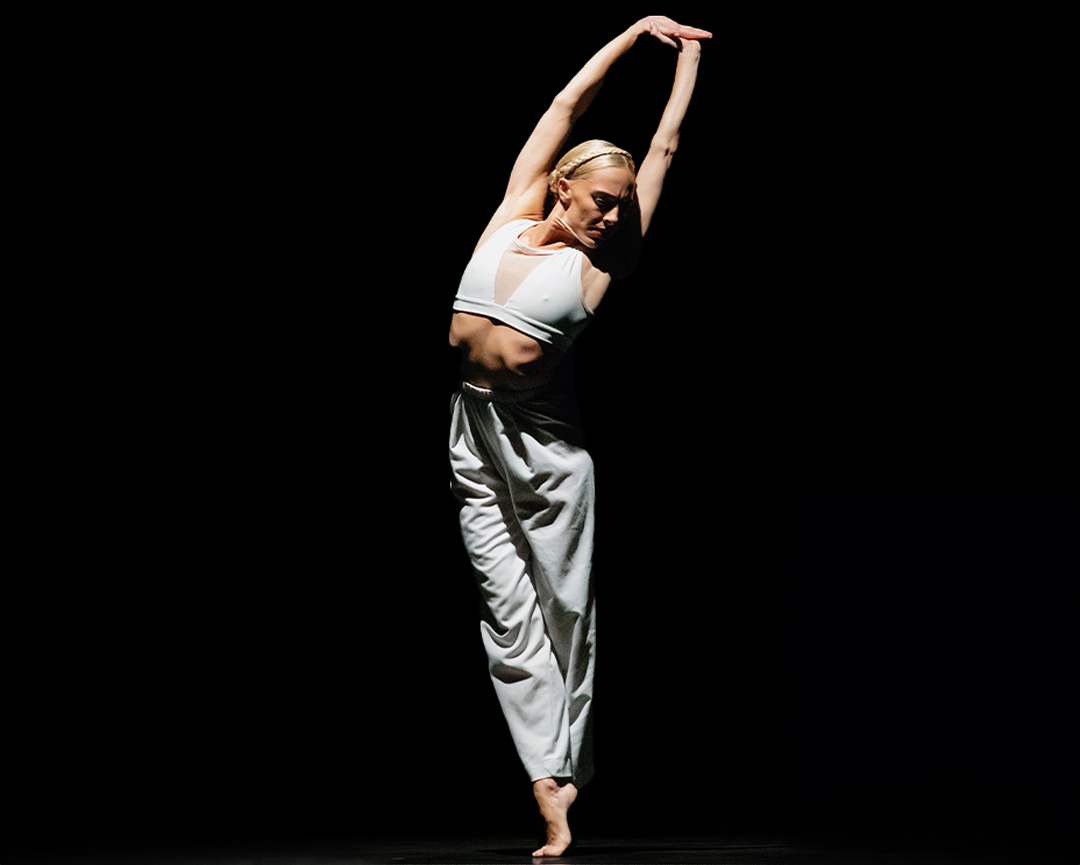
<point>589,156</point>
<point>619,255</point>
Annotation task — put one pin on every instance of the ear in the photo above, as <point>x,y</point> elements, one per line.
<point>562,192</point>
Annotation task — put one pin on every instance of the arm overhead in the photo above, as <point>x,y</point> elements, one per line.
<point>650,179</point>
<point>528,185</point>
<point>538,156</point>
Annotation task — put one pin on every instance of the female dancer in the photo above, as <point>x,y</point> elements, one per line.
<point>524,481</point>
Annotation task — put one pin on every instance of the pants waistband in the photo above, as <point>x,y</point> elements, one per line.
<point>508,396</point>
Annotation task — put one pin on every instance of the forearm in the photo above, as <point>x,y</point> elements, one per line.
<point>583,87</point>
<point>651,175</point>
<point>667,134</point>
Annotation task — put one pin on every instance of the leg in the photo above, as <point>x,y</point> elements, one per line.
<point>524,669</point>
<point>552,490</point>
<point>527,523</point>
<point>554,501</point>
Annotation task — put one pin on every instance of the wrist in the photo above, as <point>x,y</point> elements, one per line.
<point>625,40</point>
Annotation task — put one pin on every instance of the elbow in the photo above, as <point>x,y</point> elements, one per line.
<point>564,101</point>
<point>568,106</point>
<point>664,145</point>
<point>662,149</point>
<point>564,108</point>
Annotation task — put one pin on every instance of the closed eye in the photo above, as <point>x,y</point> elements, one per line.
<point>605,204</point>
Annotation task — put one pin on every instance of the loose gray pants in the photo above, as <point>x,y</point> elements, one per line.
<point>527,521</point>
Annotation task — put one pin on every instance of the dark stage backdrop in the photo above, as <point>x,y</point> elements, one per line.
<point>831,666</point>
<point>236,597</point>
<point>274,215</point>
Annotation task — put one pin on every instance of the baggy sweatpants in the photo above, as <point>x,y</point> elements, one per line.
<point>526,489</point>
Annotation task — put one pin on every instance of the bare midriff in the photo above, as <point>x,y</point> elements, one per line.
<point>496,356</point>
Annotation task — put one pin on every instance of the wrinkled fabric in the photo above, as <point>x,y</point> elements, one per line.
<point>526,490</point>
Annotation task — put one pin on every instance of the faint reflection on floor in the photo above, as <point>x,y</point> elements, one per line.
<point>503,851</point>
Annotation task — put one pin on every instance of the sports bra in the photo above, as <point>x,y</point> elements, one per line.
<point>536,291</point>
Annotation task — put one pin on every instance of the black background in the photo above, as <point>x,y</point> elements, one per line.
<point>833,667</point>
<point>236,601</point>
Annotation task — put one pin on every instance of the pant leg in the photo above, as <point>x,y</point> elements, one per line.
<point>523,665</point>
<point>551,484</point>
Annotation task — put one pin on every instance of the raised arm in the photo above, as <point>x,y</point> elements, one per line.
<point>650,178</point>
<point>528,185</point>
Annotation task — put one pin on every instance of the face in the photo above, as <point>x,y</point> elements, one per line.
<point>595,202</point>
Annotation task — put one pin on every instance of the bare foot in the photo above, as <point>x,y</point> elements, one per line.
<point>555,802</point>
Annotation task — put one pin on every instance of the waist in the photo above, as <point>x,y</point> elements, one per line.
<point>499,357</point>
<point>551,407</point>
<point>488,394</point>
<point>497,374</point>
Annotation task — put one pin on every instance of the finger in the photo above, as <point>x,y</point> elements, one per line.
<point>663,37</point>
<point>694,33</point>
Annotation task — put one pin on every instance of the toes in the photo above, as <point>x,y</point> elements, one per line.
<point>552,850</point>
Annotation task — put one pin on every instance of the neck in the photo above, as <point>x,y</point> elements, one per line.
<point>551,232</point>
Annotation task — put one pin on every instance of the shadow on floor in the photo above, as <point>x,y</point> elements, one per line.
<point>503,851</point>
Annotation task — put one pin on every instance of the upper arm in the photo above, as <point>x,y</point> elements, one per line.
<point>527,188</point>
<point>650,180</point>
<point>537,157</point>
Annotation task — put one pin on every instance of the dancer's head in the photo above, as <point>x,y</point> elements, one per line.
<point>593,183</point>
<point>588,157</point>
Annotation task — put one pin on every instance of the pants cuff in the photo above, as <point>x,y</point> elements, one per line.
<point>550,769</point>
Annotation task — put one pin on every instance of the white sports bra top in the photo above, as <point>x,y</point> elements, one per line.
<point>536,291</point>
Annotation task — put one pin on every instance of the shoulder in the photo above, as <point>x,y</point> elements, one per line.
<point>511,211</point>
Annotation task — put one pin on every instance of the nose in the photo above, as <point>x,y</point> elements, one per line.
<point>612,216</point>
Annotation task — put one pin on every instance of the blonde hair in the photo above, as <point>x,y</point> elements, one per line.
<point>587,157</point>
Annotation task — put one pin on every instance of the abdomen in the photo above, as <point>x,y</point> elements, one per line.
<point>497,356</point>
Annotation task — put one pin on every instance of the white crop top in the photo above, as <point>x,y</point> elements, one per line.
<point>536,291</point>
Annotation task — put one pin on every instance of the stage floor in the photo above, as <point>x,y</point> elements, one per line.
<point>503,851</point>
